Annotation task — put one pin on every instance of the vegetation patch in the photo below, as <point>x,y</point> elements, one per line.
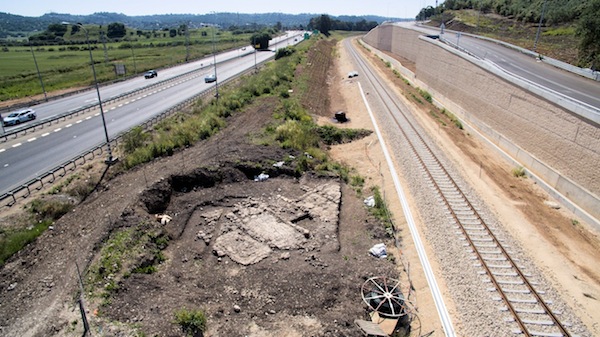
<point>192,322</point>
<point>136,249</point>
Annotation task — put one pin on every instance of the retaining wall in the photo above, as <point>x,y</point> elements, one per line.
<point>551,142</point>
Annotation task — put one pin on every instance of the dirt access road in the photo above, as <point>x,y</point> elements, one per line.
<point>301,280</point>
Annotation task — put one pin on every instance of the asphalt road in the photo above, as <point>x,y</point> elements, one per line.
<point>578,88</point>
<point>26,158</point>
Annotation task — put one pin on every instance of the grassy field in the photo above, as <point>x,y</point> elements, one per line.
<point>68,66</point>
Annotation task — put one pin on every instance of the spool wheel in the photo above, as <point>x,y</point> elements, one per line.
<point>386,296</point>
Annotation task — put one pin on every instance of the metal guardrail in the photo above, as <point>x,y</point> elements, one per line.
<point>47,122</point>
<point>49,177</point>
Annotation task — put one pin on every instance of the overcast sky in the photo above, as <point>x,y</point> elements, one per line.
<point>385,8</point>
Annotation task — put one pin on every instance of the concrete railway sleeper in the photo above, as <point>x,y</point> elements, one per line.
<point>531,313</point>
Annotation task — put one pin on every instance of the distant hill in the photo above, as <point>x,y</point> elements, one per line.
<point>17,26</point>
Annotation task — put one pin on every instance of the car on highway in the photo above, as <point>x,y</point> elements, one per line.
<point>150,74</point>
<point>19,117</point>
<point>210,78</point>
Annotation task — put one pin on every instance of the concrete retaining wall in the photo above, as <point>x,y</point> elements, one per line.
<point>549,141</point>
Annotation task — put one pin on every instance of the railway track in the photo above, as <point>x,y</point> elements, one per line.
<point>515,290</point>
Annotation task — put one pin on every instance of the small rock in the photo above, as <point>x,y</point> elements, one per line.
<point>285,256</point>
<point>272,312</point>
<point>552,204</point>
<point>306,233</point>
<point>12,286</point>
<point>237,308</point>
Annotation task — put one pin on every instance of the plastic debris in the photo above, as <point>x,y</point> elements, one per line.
<point>379,251</point>
<point>163,218</point>
<point>261,177</point>
<point>370,201</point>
<point>279,164</point>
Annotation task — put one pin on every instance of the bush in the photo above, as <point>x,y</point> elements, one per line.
<point>192,322</point>
<point>518,172</point>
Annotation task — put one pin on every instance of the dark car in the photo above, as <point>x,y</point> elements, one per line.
<point>150,74</point>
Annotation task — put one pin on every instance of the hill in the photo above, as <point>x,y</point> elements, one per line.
<point>17,26</point>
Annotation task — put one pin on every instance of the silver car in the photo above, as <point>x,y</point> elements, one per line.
<point>19,117</point>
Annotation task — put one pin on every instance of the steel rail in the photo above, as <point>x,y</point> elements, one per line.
<point>436,182</point>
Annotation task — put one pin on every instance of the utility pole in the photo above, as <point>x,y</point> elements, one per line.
<point>537,35</point>
<point>38,72</point>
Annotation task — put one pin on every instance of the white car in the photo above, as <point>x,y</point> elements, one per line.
<point>19,117</point>
<point>210,78</point>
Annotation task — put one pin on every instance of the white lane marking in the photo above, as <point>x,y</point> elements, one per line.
<point>5,165</point>
<point>120,105</point>
<point>45,134</point>
<point>139,97</point>
<point>126,102</point>
<point>68,125</point>
<point>96,114</point>
<point>16,145</point>
<point>79,121</point>
<point>114,107</point>
<point>88,117</point>
<point>2,150</point>
<point>56,130</point>
<point>31,139</point>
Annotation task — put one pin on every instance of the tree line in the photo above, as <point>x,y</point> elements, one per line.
<point>325,23</point>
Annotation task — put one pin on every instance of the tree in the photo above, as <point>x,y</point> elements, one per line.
<point>588,31</point>
<point>260,40</point>
<point>116,30</point>
<point>57,29</point>
<point>172,32</point>
<point>323,24</point>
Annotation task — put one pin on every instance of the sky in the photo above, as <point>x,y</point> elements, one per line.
<point>384,8</point>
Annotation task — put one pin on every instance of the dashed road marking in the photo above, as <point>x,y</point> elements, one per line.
<point>5,165</point>
<point>114,107</point>
<point>45,134</point>
<point>31,139</point>
<point>17,145</point>
<point>120,105</point>
<point>96,114</point>
<point>88,117</point>
<point>56,130</point>
<point>2,150</point>
<point>79,121</point>
<point>68,125</point>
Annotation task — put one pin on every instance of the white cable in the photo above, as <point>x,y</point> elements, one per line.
<point>435,291</point>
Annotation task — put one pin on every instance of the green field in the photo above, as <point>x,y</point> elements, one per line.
<point>68,66</point>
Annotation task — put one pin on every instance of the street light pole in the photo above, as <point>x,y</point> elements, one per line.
<point>537,35</point>
<point>110,160</point>
<point>38,72</point>
<point>215,61</point>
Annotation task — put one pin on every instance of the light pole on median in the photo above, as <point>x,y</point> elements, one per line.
<point>110,160</point>
<point>215,59</point>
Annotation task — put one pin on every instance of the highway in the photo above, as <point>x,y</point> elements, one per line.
<point>578,88</point>
<point>25,158</point>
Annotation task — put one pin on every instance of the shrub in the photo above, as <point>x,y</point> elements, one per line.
<point>426,95</point>
<point>518,172</point>
<point>192,322</point>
